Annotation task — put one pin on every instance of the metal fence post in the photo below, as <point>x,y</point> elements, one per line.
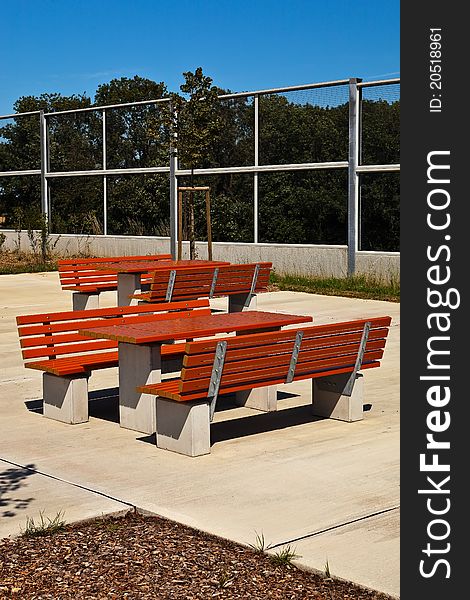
<point>353,176</point>
<point>105,178</point>
<point>44,166</point>
<point>173,196</point>
<point>255,176</point>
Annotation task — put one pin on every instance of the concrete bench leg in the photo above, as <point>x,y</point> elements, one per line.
<point>329,401</point>
<point>128,284</point>
<point>65,398</point>
<point>85,300</point>
<point>241,302</point>
<point>183,427</point>
<point>262,398</point>
<point>138,365</point>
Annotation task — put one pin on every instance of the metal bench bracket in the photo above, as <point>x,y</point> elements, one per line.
<point>171,285</point>
<point>294,357</point>
<point>216,376</point>
<point>214,282</point>
<point>254,281</point>
<point>348,388</point>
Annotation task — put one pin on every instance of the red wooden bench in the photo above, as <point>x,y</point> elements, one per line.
<point>240,282</point>
<point>51,343</point>
<point>81,276</point>
<point>331,355</point>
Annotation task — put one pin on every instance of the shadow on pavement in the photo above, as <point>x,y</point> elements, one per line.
<point>12,479</point>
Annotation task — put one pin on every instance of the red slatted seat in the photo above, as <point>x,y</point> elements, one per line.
<point>78,274</point>
<point>52,344</point>
<point>330,355</point>
<point>224,280</point>
<point>263,359</point>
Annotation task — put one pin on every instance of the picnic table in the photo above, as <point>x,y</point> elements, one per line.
<point>129,273</point>
<point>139,354</point>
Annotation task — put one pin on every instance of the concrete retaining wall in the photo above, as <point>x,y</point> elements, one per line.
<point>293,259</point>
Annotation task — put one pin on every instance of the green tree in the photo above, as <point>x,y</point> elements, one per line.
<point>194,126</point>
<point>72,147</point>
<point>137,204</point>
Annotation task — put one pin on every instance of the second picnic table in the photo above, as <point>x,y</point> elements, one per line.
<point>140,357</point>
<point>129,273</point>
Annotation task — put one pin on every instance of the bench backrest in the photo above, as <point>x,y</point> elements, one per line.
<point>50,335</point>
<point>79,273</point>
<point>267,358</point>
<point>211,282</point>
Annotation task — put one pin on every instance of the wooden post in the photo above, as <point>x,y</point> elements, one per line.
<point>192,234</point>
<point>209,226</point>
<point>180,225</point>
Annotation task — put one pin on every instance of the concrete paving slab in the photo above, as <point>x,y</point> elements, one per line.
<point>339,550</point>
<point>26,493</point>
<point>284,474</point>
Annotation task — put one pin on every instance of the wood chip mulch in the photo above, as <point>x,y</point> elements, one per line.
<point>137,556</point>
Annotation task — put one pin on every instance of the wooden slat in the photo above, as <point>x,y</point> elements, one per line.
<point>94,323</point>
<point>85,261</point>
<point>231,279</point>
<point>167,391</point>
<point>282,361</point>
<point>91,362</point>
<point>59,350</point>
<point>200,282</point>
<point>79,275</point>
<point>279,347</point>
<point>109,312</point>
<point>85,272</point>
<point>265,374</point>
<point>310,331</point>
<point>82,364</point>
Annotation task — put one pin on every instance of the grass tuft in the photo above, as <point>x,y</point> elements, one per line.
<point>327,569</point>
<point>285,556</point>
<point>260,543</point>
<point>45,526</point>
<point>359,286</point>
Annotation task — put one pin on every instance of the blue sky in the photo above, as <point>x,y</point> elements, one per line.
<point>72,46</point>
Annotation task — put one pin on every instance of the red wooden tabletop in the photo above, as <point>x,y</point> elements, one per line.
<point>144,266</point>
<point>181,329</point>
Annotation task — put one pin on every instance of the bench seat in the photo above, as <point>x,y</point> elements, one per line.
<point>240,282</point>
<point>85,363</point>
<point>330,355</point>
<point>51,343</point>
<point>80,276</point>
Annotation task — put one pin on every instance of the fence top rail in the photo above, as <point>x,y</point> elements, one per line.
<point>107,107</point>
<point>21,114</point>
<point>279,90</point>
<point>379,82</point>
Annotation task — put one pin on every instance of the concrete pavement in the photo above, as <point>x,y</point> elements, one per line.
<point>329,488</point>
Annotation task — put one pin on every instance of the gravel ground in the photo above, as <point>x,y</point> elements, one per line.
<point>138,557</point>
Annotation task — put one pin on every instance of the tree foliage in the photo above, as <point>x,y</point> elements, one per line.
<point>294,207</point>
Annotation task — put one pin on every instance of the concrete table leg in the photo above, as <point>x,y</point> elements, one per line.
<point>138,365</point>
<point>263,398</point>
<point>65,398</point>
<point>85,300</point>
<point>128,284</point>
<point>329,401</point>
<point>241,302</point>
<point>183,427</point>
